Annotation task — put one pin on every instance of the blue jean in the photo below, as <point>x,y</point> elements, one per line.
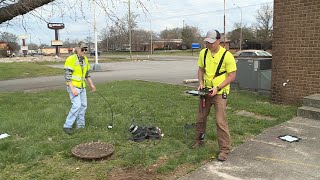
<point>78,108</point>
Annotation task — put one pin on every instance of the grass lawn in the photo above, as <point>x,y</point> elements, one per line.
<point>39,149</point>
<point>18,70</point>
<point>25,70</point>
<point>188,52</point>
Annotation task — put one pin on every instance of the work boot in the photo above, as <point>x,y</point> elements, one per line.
<point>196,144</point>
<point>223,156</point>
<point>67,130</point>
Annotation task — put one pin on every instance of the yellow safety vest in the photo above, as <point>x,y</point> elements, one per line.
<point>79,73</point>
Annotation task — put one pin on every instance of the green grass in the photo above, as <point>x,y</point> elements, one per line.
<point>187,52</point>
<point>91,60</point>
<point>18,70</point>
<point>25,70</point>
<point>39,149</point>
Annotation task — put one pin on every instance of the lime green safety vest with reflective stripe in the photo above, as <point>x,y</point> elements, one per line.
<point>78,72</point>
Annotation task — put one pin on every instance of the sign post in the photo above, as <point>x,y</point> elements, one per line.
<point>56,42</point>
<point>195,46</point>
<point>23,47</point>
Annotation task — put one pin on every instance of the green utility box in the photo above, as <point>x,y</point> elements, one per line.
<point>254,73</point>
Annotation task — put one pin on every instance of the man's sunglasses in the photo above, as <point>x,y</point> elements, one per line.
<point>83,49</point>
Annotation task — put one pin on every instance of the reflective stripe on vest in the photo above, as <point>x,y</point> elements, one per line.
<point>77,78</point>
<point>78,74</point>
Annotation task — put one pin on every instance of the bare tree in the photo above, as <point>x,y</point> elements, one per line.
<point>11,39</point>
<point>247,36</point>
<point>264,25</point>
<point>174,33</point>
<point>141,38</point>
<point>117,35</point>
<point>76,11</point>
<point>33,46</point>
<point>190,34</point>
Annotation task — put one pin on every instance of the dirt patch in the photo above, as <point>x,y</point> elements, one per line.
<point>180,171</point>
<point>250,114</point>
<point>162,160</point>
<point>150,172</point>
<point>132,174</point>
<point>139,173</point>
<point>32,59</point>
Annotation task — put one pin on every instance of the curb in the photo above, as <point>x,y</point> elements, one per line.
<point>186,81</point>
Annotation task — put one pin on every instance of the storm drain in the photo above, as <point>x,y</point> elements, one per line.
<point>92,150</point>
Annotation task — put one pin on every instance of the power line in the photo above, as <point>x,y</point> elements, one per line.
<point>208,12</point>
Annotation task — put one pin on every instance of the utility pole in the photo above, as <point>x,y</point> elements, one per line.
<point>182,24</point>
<point>107,42</point>
<point>107,34</point>
<point>31,50</point>
<point>240,40</point>
<point>150,39</point>
<point>89,41</point>
<point>224,25</point>
<point>40,46</point>
<point>240,29</point>
<point>96,66</point>
<point>130,38</point>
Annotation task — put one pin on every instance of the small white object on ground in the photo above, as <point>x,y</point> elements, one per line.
<point>4,135</point>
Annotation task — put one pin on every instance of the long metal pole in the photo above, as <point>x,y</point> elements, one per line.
<point>56,31</point>
<point>150,39</point>
<point>96,66</point>
<point>240,29</point>
<point>224,25</point>
<point>89,42</point>
<point>182,24</point>
<point>95,33</point>
<point>130,38</point>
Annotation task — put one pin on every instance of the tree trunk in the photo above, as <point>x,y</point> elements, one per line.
<point>21,7</point>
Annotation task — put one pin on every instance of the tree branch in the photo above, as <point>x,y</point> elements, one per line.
<point>21,7</point>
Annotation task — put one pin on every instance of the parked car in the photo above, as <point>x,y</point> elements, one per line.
<point>93,53</point>
<point>252,53</point>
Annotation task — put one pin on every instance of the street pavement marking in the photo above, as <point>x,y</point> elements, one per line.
<point>286,161</point>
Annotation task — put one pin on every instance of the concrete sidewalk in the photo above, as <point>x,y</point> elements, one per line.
<point>267,157</point>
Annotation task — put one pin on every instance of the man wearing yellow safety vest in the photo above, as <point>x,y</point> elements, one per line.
<point>217,69</point>
<point>76,71</point>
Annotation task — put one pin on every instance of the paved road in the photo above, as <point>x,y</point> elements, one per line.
<point>172,71</point>
<point>157,57</point>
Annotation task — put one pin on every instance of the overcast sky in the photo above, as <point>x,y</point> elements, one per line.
<point>160,14</point>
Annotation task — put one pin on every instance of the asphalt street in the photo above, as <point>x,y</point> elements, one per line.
<point>172,71</point>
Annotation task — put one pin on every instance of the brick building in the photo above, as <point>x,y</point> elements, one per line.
<point>5,49</point>
<point>52,50</point>
<point>296,50</point>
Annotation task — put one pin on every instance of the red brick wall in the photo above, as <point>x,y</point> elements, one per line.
<point>296,50</point>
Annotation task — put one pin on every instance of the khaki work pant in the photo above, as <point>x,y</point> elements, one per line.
<point>223,134</point>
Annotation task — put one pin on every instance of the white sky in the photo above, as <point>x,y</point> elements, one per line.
<point>204,14</point>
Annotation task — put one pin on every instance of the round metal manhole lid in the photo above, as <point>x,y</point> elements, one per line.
<point>92,150</point>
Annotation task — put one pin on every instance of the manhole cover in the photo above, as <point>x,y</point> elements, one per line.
<point>92,150</point>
